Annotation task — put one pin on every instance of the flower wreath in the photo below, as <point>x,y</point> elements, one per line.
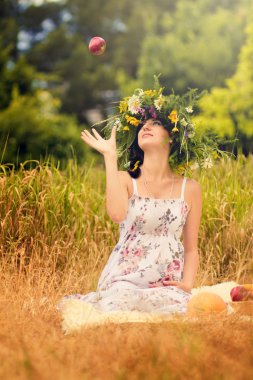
<point>191,148</point>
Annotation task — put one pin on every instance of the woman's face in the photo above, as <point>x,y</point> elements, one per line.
<point>155,133</point>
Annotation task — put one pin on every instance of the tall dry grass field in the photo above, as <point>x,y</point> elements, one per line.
<point>56,238</point>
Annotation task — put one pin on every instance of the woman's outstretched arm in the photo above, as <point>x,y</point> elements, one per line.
<point>116,190</point>
<point>190,233</point>
<point>116,187</point>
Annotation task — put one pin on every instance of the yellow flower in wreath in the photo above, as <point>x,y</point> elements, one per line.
<point>122,106</point>
<point>173,116</point>
<point>215,154</point>
<point>175,129</point>
<point>132,120</point>
<point>150,92</point>
<point>180,169</point>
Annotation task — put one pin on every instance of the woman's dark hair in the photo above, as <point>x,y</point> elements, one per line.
<point>137,154</point>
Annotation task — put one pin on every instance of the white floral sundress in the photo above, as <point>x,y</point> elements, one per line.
<point>148,251</point>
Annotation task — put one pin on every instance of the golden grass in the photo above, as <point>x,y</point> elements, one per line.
<point>55,240</point>
<point>34,347</point>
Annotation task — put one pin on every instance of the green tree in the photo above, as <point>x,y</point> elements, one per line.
<point>192,47</point>
<point>9,27</point>
<point>191,43</point>
<point>229,110</point>
<point>18,73</point>
<point>14,69</point>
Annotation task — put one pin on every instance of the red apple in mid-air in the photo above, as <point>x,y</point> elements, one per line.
<point>97,45</point>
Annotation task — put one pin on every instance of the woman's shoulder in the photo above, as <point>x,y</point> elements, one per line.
<point>193,186</point>
<point>126,179</point>
<point>192,192</point>
<point>192,181</point>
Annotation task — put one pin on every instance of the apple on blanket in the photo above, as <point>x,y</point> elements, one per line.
<point>242,293</point>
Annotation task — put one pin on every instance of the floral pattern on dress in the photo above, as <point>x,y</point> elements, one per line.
<point>149,251</point>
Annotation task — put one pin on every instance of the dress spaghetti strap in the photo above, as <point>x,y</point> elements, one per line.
<point>182,189</point>
<point>135,186</point>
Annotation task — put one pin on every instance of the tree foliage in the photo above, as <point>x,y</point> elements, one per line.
<point>229,110</point>
<point>31,128</point>
<point>191,43</point>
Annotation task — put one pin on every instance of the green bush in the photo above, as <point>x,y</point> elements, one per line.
<point>32,128</point>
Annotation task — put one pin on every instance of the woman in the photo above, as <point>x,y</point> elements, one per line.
<point>150,269</point>
<point>149,253</point>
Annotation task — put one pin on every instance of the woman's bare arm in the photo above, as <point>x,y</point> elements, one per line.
<point>116,190</point>
<point>116,187</point>
<point>190,233</point>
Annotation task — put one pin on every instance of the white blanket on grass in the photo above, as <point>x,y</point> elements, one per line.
<point>76,314</point>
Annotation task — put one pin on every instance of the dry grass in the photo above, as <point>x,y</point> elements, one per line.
<point>53,243</point>
<point>34,347</point>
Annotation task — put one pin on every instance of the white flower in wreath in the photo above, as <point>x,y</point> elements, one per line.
<point>207,163</point>
<point>159,102</point>
<point>191,134</point>
<point>189,109</point>
<point>117,121</point>
<point>118,124</point>
<point>194,166</point>
<point>134,104</point>
<point>141,92</point>
<point>183,122</point>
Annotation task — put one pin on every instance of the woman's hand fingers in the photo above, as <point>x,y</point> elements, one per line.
<point>155,285</point>
<point>101,145</point>
<point>86,138</point>
<point>96,134</point>
<point>168,282</point>
<point>179,285</point>
<point>87,133</point>
<point>90,140</point>
<point>113,134</point>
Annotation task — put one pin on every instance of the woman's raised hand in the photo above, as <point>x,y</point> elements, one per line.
<point>101,145</point>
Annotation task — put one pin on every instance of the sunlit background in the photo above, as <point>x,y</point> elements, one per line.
<point>52,87</point>
<point>55,233</point>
